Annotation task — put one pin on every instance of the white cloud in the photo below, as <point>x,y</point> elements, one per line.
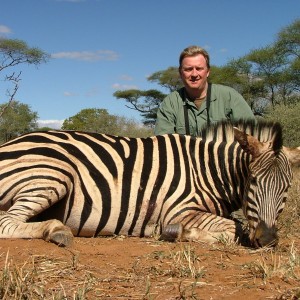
<point>92,92</point>
<point>4,29</point>
<point>87,55</point>
<point>55,124</point>
<point>223,50</point>
<point>118,86</point>
<point>69,94</point>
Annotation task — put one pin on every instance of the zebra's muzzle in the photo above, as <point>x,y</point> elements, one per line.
<point>264,236</point>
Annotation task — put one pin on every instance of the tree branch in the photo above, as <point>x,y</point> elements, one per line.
<point>11,94</point>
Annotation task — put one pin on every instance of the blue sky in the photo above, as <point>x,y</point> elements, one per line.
<point>100,46</point>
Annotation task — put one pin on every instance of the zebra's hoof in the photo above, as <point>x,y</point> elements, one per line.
<point>172,232</point>
<point>62,238</point>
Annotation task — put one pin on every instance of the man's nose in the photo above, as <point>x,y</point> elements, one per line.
<point>194,72</point>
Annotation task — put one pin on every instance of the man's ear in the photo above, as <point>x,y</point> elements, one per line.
<point>208,73</point>
<point>180,72</point>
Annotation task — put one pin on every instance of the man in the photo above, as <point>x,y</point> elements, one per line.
<point>188,110</point>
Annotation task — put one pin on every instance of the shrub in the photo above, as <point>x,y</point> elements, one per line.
<point>288,117</point>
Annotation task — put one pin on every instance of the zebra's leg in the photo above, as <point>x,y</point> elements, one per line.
<point>29,202</point>
<point>202,226</point>
<point>51,230</point>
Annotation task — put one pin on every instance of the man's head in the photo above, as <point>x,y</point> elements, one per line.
<point>194,69</point>
<point>193,51</point>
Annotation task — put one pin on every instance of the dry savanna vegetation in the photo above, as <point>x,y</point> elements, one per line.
<point>138,268</point>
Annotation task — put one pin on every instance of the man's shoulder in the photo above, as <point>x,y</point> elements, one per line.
<point>222,87</point>
<point>172,101</point>
<point>221,90</point>
<point>175,96</point>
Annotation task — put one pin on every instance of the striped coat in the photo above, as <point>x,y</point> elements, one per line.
<point>57,184</point>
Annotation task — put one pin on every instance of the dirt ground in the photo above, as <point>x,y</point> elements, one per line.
<point>139,268</point>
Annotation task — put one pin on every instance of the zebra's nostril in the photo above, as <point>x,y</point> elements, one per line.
<point>264,242</point>
<point>257,244</point>
<point>265,237</point>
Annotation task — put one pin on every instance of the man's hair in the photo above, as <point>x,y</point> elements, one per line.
<point>193,51</point>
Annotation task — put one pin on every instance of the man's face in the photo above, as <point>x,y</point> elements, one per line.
<point>194,72</point>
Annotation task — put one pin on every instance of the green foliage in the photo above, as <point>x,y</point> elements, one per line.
<point>270,65</point>
<point>16,119</point>
<point>130,128</point>
<point>99,120</point>
<point>13,52</point>
<point>288,117</point>
<point>169,78</point>
<point>289,39</point>
<point>146,102</point>
<point>45,128</point>
<point>91,119</point>
<point>224,75</point>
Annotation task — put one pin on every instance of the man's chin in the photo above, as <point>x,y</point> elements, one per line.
<point>194,86</point>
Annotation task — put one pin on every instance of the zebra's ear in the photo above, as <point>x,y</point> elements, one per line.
<point>249,143</point>
<point>293,155</point>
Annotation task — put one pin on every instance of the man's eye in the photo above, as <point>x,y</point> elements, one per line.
<point>198,69</point>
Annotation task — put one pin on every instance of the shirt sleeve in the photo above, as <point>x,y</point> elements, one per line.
<point>165,121</point>
<point>240,108</point>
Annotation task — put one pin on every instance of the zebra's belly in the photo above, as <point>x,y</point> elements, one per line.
<point>109,230</point>
<point>117,223</point>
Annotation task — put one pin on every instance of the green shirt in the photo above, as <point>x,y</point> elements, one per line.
<point>226,104</point>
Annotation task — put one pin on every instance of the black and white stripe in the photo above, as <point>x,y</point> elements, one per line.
<point>96,184</point>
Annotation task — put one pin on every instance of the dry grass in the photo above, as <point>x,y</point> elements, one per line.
<point>33,279</point>
<point>183,263</point>
<point>289,219</point>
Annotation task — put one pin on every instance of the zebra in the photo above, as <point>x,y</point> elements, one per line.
<point>58,184</point>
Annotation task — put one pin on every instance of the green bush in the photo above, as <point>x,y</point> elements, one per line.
<point>288,117</point>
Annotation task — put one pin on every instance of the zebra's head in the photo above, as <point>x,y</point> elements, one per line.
<point>269,178</point>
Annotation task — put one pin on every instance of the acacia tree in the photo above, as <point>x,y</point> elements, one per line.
<point>268,65</point>
<point>12,54</point>
<point>237,74</point>
<point>295,69</point>
<point>146,102</point>
<point>169,79</point>
<point>288,41</point>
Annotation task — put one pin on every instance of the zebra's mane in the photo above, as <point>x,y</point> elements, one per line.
<point>263,130</point>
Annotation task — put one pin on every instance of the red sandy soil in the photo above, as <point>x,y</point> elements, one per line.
<point>139,268</point>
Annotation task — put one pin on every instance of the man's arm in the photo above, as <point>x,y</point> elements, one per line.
<point>165,122</point>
